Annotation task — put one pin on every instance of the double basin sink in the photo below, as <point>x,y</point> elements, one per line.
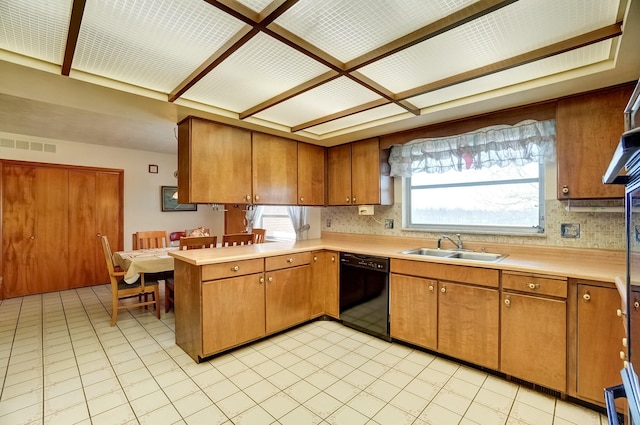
<point>460,254</point>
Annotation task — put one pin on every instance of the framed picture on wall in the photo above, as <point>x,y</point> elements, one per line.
<point>169,198</point>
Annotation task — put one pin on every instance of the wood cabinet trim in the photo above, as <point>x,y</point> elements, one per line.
<point>232,269</point>
<point>447,272</point>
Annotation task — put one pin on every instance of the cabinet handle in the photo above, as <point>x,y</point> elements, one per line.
<point>315,258</point>
<point>270,279</point>
<point>507,302</point>
<point>623,356</point>
<point>624,342</point>
<point>32,237</point>
<point>301,199</point>
<point>348,199</point>
<point>333,259</point>
<point>257,198</point>
<point>290,260</point>
<point>261,280</point>
<point>636,305</point>
<point>532,285</point>
<point>431,288</point>
<point>353,200</point>
<point>586,297</point>
<point>565,189</point>
<point>247,198</point>
<point>619,313</point>
<point>443,289</point>
<point>235,268</point>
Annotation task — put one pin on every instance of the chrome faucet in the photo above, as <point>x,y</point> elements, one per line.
<point>457,244</point>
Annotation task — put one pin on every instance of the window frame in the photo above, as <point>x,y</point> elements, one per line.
<point>280,216</point>
<point>539,230</point>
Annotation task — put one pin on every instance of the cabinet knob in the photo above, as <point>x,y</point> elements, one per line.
<point>270,279</point>
<point>431,288</point>
<point>623,356</point>
<point>507,302</point>
<point>353,201</point>
<point>624,342</point>
<point>532,285</point>
<point>315,258</point>
<point>257,198</point>
<point>301,199</point>
<point>247,198</point>
<point>586,297</point>
<point>235,268</point>
<point>619,313</point>
<point>443,289</point>
<point>636,305</point>
<point>565,189</point>
<point>261,280</point>
<point>348,199</point>
<point>290,260</point>
<point>333,259</point>
<point>32,237</point>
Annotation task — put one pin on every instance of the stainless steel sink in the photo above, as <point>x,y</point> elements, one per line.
<point>463,255</point>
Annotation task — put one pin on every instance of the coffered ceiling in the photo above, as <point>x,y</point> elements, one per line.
<point>325,71</point>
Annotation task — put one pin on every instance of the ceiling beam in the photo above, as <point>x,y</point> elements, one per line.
<point>77,10</point>
<point>583,40</point>
<point>341,114</point>
<point>456,19</point>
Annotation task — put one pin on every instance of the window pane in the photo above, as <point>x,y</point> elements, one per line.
<point>277,222</point>
<point>487,197</point>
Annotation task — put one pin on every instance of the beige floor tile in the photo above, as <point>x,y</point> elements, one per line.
<point>374,368</point>
<point>150,402</point>
<point>63,402</point>
<point>301,391</point>
<point>25,415</point>
<point>70,415</point>
<point>409,402</point>
<point>300,416</point>
<point>535,399</point>
<point>283,379</point>
<point>382,390</point>
<point>253,416</point>
<point>345,415</point>
<point>422,388</point>
<point>211,415</point>
<point>235,404</point>
<point>245,378</point>
<point>261,390</point>
<point>353,359</point>
<point>494,401</point>
<point>391,415</point>
<point>279,405</point>
<point>397,378</point>
<point>434,414</point>
<point>500,386</point>
<point>106,402</point>
<point>166,415</point>
<point>268,368</point>
<point>322,404</point>
<point>192,403</point>
<point>452,401</point>
<point>342,391</point>
<point>221,390</point>
<point>366,404</point>
<point>576,414</point>
<point>529,415</point>
<point>484,415</point>
<point>322,379</point>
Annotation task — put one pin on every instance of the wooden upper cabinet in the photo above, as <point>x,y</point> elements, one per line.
<point>358,174</point>
<point>214,163</point>
<point>275,170</point>
<point>339,175</point>
<point>588,129</point>
<point>311,171</point>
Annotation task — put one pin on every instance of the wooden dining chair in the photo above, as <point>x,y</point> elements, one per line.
<point>151,239</point>
<point>198,242</point>
<point>237,239</point>
<point>121,290</point>
<point>258,235</point>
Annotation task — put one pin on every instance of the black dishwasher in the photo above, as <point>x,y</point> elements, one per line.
<point>364,293</point>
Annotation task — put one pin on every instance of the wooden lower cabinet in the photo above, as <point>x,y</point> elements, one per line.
<point>413,306</point>
<point>468,323</point>
<point>533,343</point>
<point>287,297</point>
<point>227,324</point>
<point>325,285</point>
<point>599,341</point>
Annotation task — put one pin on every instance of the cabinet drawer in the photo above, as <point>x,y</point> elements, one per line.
<point>535,284</point>
<point>284,261</point>
<point>232,269</point>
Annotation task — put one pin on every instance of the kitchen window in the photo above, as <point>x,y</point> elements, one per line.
<point>277,222</point>
<point>487,181</point>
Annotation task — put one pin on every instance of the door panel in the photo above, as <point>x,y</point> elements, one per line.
<point>82,229</point>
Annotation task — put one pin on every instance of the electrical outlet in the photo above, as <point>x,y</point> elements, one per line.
<point>388,223</point>
<point>570,230</point>
<point>328,222</point>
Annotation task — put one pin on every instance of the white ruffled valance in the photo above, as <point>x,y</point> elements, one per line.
<point>501,145</point>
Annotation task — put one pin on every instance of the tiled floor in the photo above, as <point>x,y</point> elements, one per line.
<point>61,363</point>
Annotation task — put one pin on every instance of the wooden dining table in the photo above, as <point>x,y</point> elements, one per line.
<point>140,261</point>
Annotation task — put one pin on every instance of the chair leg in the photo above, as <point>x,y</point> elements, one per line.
<point>114,306</point>
<point>156,298</point>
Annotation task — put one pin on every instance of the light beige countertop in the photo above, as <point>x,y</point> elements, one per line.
<point>590,264</point>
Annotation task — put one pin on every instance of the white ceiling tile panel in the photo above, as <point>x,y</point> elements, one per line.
<point>349,29</point>
<point>544,67</point>
<point>258,71</point>
<point>359,119</point>
<point>336,96</point>
<point>513,30</point>
<point>256,5</point>
<point>154,44</point>
<point>35,28</point>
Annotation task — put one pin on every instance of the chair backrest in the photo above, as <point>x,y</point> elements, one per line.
<point>198,242</point>
<point>108,258</point>
<point>258,235</point>
<point>151,239</point>
<point>237,239</point>
<point>175,236</point>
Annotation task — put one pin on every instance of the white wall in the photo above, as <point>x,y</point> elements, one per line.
<point>142,206</point>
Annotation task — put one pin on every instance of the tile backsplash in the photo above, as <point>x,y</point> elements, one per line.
<point>602,230</point>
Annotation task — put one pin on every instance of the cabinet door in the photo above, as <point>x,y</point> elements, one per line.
<point>468,323</point>
<point>287,297</point>
<point>232,312</point>
<point>413,304</point>
<point>599,334</point>
<point>19,230</point>
<point>324,284</point>
<point>339,175</point>
<point>82,231</point>
<point>214,163</point>
<point>275,170</point>
<point>365,172</point>
<point>588,129</point>
<point>310,174</point>
<point>534,340</point>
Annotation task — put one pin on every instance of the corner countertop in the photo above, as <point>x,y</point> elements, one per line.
<point>590,264</point>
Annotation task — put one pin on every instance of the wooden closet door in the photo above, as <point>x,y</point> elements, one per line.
<point>108,219</point>
<point>52,229</point>
<point>19,230</point>
<point>82,229</point>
